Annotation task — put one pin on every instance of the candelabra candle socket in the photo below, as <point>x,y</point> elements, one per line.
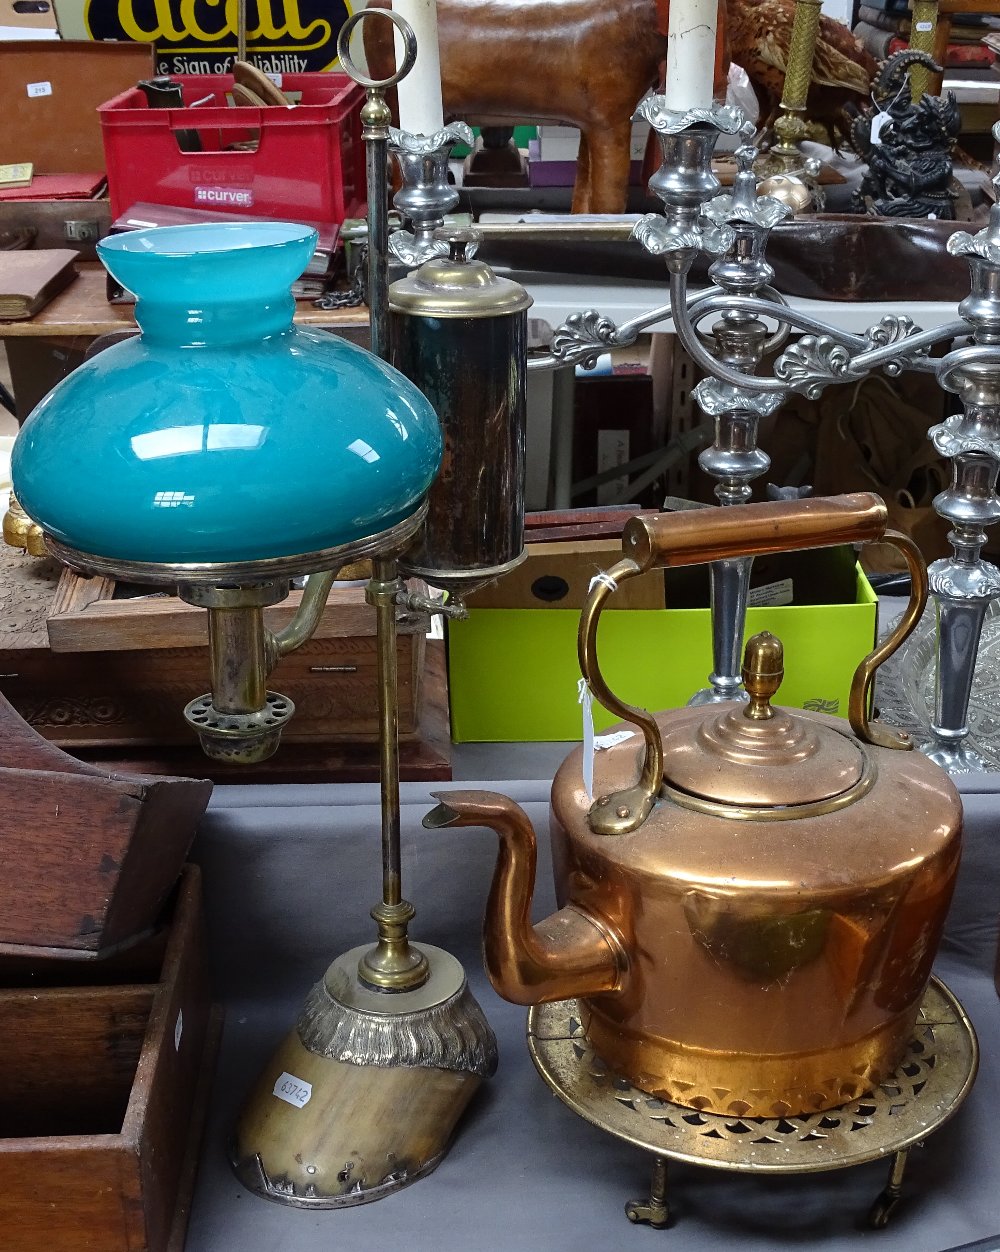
<point>460,333</point>
<point>426,195</point>
<point>685,179</point>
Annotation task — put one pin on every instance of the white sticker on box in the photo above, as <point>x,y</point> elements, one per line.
<point>293,1090</point>
<point>770,594</point>
<point>178,1030</point>
<point>39,89</point>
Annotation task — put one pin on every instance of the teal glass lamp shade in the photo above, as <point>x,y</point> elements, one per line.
<point>223,433</point>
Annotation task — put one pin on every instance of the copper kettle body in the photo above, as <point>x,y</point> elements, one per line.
<point>748,928</point>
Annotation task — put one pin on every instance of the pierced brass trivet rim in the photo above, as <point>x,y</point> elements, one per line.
<point>930,1084</point>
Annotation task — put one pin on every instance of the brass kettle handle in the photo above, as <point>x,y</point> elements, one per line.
<point>669,540</point>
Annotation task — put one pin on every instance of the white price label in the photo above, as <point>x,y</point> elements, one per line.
<point>770,594</point>
<point>293,1090</point>
<point>879,121</point>
<point>924,27</point>
<point>608,741</point>
<point>275,78</point>
<point>39,89</point>
<point>178,1030</point>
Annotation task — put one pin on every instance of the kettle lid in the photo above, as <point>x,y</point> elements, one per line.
<point>759,757</point>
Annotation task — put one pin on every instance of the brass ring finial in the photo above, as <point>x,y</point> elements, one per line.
<point>347,62</point>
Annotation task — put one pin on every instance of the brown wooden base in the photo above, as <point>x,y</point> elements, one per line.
<point>425,758</point>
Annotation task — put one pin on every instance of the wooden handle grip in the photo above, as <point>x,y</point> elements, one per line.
<point>671,539</point>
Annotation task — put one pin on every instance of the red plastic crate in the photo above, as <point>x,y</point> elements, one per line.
<point>309,163</point>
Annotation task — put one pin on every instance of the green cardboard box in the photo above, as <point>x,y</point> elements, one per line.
<point>513,672</point>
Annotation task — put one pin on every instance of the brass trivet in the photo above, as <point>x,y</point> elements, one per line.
<point>929,1085</point>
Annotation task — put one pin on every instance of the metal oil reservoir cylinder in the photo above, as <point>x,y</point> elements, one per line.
<point>460,333</point>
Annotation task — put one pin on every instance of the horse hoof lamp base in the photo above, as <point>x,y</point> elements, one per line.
<point>425,1051</point>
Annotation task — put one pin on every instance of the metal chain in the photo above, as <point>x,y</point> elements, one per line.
<point>356,294</point>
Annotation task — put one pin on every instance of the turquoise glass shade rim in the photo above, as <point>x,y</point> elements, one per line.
<point>223,434</point>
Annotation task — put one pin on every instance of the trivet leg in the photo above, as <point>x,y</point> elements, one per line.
<point>882,1209</point>
<point>654,1211</point>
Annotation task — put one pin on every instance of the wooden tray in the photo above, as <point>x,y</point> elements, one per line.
<point>102,1093</point>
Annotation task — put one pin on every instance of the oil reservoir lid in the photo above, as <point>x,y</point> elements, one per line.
<point>457,285</point>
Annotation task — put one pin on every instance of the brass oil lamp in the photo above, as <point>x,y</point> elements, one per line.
<point>751,907</point>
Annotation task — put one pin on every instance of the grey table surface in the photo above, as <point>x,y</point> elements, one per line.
<point>290,873</point>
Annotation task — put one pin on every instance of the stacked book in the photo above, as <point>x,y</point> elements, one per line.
<point>884,28</point>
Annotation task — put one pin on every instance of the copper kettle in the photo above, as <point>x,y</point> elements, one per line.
<point>752,906</point>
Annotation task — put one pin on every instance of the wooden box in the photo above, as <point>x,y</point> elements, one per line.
<point>102,1093</point>
<point>87,667</point>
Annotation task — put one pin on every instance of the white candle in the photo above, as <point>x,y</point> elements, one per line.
<point>691,32</point>
<point>420,108</point>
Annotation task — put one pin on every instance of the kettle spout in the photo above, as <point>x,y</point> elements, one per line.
<point>572,953</point>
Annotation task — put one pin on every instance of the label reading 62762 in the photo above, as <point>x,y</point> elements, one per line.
<point>293,1090</point>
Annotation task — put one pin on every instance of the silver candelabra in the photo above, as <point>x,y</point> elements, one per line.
<point>726,330</point>
<point>734,228</point>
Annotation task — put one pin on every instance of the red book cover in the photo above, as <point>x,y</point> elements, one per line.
<point>56,187</point>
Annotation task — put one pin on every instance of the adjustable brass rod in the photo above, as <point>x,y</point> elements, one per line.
<point>384,573</point>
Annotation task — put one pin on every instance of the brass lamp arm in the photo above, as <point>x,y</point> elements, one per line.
<point>303,625</point>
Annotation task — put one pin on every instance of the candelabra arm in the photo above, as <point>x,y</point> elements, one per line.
<point>582,338</point>
<point>904,347</point>
<point>778,312</point>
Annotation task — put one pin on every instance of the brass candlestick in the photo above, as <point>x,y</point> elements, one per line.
<point>923,35</point>
<point>790,127</point>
